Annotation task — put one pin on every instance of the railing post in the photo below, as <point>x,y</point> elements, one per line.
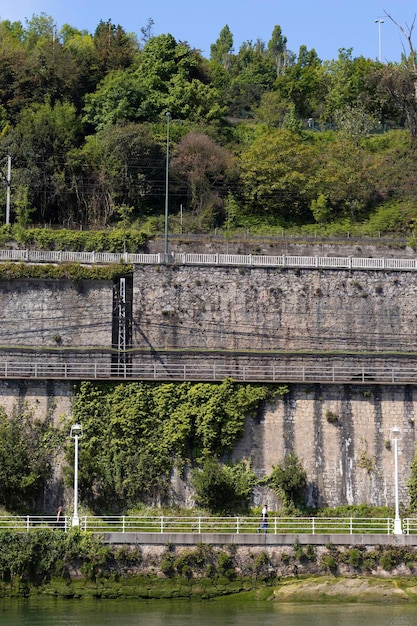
<point>124,524</point>
<point>351,526</point>
<point>199,525</point>
<point>237,525</point>
<point>27,523</point>
<point>313,528</point>
<point>162,523</point>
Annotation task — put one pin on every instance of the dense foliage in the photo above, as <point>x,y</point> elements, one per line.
<point>262,137</point>
<point>27,450</point>
<point>223,488</point>
<point>134,434</point>
<point>38,556</point>
<point>289,481</point>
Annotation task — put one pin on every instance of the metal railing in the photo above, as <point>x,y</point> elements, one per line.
<point>25,523</point>
<point>183,258</point>
<point>199,525</point>
<point>203,371</point>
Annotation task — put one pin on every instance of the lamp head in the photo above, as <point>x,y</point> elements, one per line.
<point>396,432</point>
<point>76,430</point>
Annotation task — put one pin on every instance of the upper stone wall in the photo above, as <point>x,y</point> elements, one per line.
<point>273,309</point>
<point>51,313</point>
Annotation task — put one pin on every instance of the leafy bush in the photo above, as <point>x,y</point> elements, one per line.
<point>223,488</point>
<point>289,481</point>
<point>26,449</point>
<point>116,240</point>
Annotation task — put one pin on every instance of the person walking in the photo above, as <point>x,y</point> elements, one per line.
<point>264,519</point>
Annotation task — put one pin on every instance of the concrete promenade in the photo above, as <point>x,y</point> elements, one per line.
<point>251,539</point>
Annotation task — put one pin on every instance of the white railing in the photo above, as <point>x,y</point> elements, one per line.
<point>25,523</point>
<point>182,258</point>
<point>14,367</point>
<point>199,525</point>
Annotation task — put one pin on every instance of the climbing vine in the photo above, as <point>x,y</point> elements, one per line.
<point>27,448</point>
<point>134,434</point>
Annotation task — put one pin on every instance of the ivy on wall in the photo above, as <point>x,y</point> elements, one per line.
<point>63,271</point>
<point>133,434</point>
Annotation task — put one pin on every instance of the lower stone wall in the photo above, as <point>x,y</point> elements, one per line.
<point>342,434</point>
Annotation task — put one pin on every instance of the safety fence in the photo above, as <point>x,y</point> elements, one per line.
<point>183,258</point>
<point>17,368</point>
<point>199,525</point>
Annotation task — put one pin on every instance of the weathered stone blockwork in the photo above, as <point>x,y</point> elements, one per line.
<point>343,436</point>
<point>53,313</point>
<point>232,308</point>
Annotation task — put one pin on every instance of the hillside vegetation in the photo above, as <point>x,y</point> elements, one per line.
<point>261,138</point>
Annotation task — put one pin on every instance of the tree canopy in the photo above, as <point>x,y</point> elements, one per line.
<point>83,116</point>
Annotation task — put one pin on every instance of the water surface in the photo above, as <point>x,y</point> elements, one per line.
<point>221,612</point>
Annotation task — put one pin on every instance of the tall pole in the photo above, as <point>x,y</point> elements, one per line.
<point>168,116</point>
<point>8,182</point>
<point>379,21</point>
<point>76,432</point>
<point>396,433</point>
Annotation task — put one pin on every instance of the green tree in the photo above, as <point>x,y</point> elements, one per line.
<point>348,84</point>
<point>221,51</point>
<point>304,85</point>
<point>277,49</point>
<point>289,481</point>
<point>277,171</point>
<point>27,446</point>
<point>39,144</point>
<point>223,488</point>
<point>120,165</point>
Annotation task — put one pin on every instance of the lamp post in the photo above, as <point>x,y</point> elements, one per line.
<point>395,437</point>
<point>168,116</point>
<point>379,21</point>
<point>76,432</point>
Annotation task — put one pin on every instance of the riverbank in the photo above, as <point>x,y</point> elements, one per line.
<point>75,565</point>
<point>321,589</point>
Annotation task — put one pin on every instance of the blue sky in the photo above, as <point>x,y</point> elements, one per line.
<point>325,25</point>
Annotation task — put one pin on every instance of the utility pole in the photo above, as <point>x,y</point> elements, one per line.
<point>7,180</point>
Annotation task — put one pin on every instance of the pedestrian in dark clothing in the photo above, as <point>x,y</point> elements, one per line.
<point>264,520</point>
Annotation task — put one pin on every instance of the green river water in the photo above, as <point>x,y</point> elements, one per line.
<point>225,611</point>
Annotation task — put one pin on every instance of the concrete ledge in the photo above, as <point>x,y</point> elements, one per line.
<point>288,539</point>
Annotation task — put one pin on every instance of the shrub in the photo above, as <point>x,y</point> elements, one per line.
<point>289,481</point>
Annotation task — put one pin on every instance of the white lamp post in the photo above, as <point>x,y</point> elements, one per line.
<point>395,437</point>
<point>168,116</point>
<point>379,21</point>
<point>76,432</point>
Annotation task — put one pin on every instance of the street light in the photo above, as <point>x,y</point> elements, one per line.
<point>168,116</point>
<point>379,21</point>
<point>395,437</point>
<point>76,432</point>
